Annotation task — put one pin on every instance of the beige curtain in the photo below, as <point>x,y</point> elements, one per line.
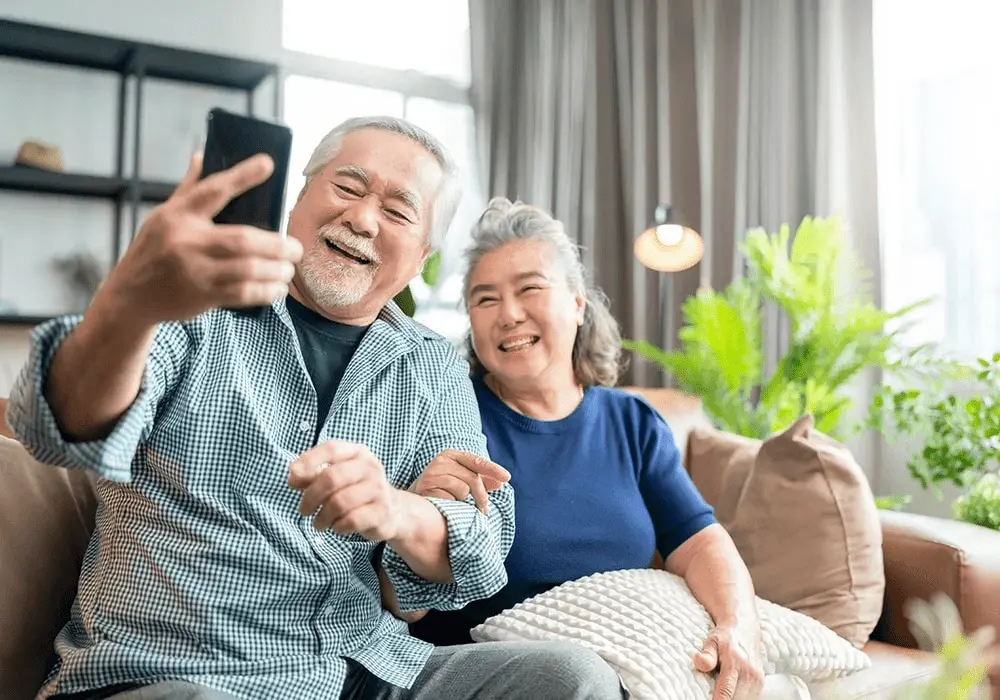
<point>738,114</point>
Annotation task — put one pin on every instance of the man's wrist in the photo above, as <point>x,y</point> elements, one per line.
<point>112,313</point>
<point>407,507</point>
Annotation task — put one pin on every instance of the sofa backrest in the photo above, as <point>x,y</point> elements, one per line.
<point>46,518</point>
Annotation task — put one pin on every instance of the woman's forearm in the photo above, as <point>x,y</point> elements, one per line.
<point>717,576</point>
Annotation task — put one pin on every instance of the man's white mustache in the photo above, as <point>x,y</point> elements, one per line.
<point>354,244</point>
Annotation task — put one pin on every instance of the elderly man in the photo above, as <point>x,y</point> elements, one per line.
<point>253,470</point>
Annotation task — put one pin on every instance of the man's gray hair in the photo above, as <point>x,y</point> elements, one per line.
<point>449,195</point>
<point>597,353</point>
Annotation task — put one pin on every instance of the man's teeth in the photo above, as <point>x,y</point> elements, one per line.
<point>518,344</point>
<point>353,256</point>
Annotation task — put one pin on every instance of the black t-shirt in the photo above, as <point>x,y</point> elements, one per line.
<point>327,348</point>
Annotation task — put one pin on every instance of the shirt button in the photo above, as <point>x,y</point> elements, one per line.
<point>304,426</point>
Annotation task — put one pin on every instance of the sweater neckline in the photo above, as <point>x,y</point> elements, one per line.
<point>495,405</point>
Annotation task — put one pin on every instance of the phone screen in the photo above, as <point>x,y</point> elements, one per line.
<point>232,138</point>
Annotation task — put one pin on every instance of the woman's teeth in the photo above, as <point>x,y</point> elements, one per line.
<point>519,344</point>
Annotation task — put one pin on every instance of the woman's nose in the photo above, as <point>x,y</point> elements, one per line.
<point>511,313</point>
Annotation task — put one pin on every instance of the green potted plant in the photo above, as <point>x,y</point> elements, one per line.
<point>429,274</point>
<point>958,437</point>
<point>836,332</point>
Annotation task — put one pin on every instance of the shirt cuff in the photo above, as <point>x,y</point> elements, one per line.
<point>34,425</point>
<point>474,553</point>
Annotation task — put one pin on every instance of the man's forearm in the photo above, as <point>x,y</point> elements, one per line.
<point>720,581</point>
<point>96,373</point>
<point>423,540</point>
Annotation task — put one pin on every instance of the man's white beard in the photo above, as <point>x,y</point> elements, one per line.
<point>332,284</point>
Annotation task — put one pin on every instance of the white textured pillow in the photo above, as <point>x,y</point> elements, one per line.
<point>648,625</point>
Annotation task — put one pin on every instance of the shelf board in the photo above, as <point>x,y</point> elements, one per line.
<point>156,192</point>
<point>13,320</point>
<point>52,45</point>
<point>26,179</point>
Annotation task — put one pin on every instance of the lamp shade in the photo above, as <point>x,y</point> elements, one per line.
<point>668,246</point>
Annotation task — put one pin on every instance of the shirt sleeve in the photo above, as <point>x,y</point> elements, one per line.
<point>33,423</point>
<point>477,544</point>
<point>674,503</point>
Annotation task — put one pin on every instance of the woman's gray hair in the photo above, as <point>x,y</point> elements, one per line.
<point>449,195</point>
<point>597,354</point>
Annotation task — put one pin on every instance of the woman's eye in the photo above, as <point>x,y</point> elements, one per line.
<point>484,300</point>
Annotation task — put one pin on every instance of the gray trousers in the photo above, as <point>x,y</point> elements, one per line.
<point>489,671</point>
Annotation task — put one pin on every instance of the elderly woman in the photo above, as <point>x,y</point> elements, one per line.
<point>598,478</point>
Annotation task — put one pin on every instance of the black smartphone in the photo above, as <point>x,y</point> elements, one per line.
<point>231,138</point>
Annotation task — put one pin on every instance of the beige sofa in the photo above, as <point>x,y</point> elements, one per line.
<point>46,515</point>
<point>921,556</point>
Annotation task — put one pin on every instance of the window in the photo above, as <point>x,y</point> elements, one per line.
<point>416,66</point>
<point>938,126</point>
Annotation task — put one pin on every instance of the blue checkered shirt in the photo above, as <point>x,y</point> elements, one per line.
<point>200,566</point>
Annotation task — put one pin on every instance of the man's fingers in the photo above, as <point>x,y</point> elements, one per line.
<point>331,481</point>
<point>251,293</point>
<point>232,241</point>
<point>229,272</point>
<point>480,465</point>
<point>342,503</point>
<point>210,195</point>
<point>310,463</point>
<point>191,176</point>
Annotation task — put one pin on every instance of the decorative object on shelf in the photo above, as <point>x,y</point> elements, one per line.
<point>35,154</point>
<point>668,245</point>
<point>84,273</point>
<point>835,333</point>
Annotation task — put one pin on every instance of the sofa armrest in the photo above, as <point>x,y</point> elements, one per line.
<point>925,555</point>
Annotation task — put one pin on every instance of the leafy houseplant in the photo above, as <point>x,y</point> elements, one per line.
<point>430,273</point>
<point>960,434</point>
<point>836,332</point>
<point>981,504</point>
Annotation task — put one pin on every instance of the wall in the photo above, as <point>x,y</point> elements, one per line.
<point>76,109</point>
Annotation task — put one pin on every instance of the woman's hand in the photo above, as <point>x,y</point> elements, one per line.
<point>457,475</point>
<point>737,654</point>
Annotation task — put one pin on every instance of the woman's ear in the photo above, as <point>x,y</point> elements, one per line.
<point>581,309</point>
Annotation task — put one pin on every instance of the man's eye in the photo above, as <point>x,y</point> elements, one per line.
<point>348,191</point>
<point>398,215</point>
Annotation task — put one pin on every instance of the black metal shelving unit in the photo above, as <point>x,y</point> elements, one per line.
<point>128,59</point>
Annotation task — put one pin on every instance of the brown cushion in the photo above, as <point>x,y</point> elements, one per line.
<point>807,527</point>
<point>719,463</point>
<point>46,516</point>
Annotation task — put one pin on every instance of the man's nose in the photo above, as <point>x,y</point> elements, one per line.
<point>361,216</point>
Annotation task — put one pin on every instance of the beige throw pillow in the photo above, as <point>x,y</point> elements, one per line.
<point>806,524</point>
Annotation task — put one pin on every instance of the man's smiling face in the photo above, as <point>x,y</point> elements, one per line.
<point>363,222</point>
